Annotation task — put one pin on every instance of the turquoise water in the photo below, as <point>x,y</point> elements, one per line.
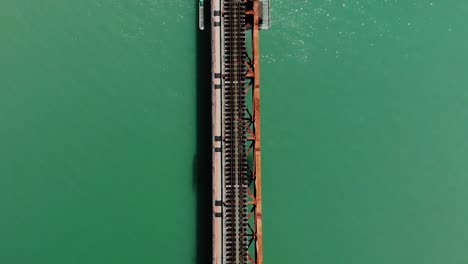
<point>364,134</point>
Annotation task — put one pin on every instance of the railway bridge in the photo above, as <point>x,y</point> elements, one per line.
<point>236,155</point>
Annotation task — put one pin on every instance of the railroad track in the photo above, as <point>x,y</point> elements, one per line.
<point>235,176</point>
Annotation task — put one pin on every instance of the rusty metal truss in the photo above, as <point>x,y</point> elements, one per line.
<point>254,230</point>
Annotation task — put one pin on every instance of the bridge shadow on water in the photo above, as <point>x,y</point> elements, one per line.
<point>202,160</point>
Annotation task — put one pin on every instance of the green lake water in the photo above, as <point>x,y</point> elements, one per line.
<point>104,122</point>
